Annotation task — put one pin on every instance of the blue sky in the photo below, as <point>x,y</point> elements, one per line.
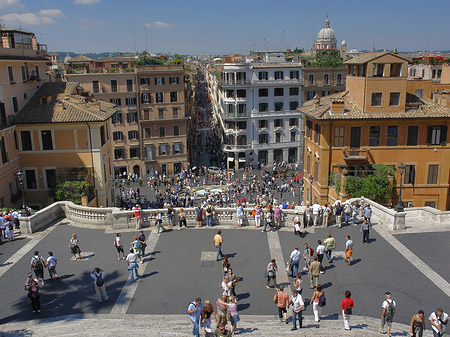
<point>213,27</point>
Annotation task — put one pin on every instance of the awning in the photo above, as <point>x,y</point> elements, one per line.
<point>230,159</point>
<point>242,160</point>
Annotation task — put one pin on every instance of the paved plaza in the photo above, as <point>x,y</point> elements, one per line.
<point>179,267</point>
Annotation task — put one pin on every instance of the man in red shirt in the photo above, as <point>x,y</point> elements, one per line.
<point>137,215</point>
<point>282,301</point>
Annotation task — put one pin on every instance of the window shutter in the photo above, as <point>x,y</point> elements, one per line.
<point>429,135</point>
<point>444,135</point>
<point>162,80</point>
<point>413,174</point>
<point>156,80</point>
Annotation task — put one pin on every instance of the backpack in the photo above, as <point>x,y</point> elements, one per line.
<point>100,282</point>
<point>390,311</point>
<point>187,308</point>
<point>312,251</point>
<point>322,301</point>
<point>38,266</point>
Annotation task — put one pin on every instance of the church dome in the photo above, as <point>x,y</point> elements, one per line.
<point>326,39</point>
<point>343,43</point>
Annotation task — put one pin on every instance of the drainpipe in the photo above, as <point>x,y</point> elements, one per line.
<point>329,158</point>
<point>92,161</point>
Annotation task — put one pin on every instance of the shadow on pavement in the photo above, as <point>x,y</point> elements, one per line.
<point>327,285</point>
<point>359,326</point>
<point>243,306</point>
<point>355,261</point>
<point>246,330</point>
<point>242,296</point>
<point>330,317</point>
<point>21,332</point>
<point>148,275</point>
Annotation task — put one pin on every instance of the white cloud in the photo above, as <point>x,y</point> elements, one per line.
<point>10,3</point>
<point>159,24</point>
<point>85,2</point>
<point>44,17</point>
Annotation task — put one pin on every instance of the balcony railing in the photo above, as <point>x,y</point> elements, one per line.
<point>234,82</point>
<point>355,154</point>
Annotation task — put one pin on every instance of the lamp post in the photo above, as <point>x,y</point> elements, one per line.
<point>20,175</point>
<point>311,179</point>
<point>399,207</point>
<point>113,180</point>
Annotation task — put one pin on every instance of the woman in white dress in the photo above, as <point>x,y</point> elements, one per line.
<point>9,230</point>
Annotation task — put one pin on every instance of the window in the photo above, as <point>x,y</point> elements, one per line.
<point>241,93</point>
<point>310,95</point>
<point>176,130</point>
<point>117,118</point>
<point>437,135</point>
<point>145,98</point>
<point>413,135</point>
<point>374,136</point>
<point>229,108</point>
<point>102,135</point>
<point>241,125</point>
<point>278,92</point>
<point>418,93</point>
<point>263,138</point>
<point>113,85</point>
<point>144,81</point>
<point>311,79</point>
<point>95,87</point>
<point>339,79</point>
<point>132,117</point>
<point>173,96</point>
<point>242,108</point>
<point>117,135</point>
<point>263,75</point>
<point>147,133</point>
<point>279,75</point>
<point>162,150</point>
<point>392,136</point>
<point>24,73</point>
<point>309,126</point>
<point>116,101</point>
<point>229,93</point>
<point>326,93</point>
<point>326,79</point>
<point>3,150</point>
<point>26,140</point>
<point>15,105</point>
<point>293,136</point>
<point>134,152</point>
<point>51,178</point>
<point>308,164</point>
<point>263,123</point>
<point>278,106</point>
<point>278,123</point>
<point>430,204</point>
<point>278,137</point>
<point>162,131</point>
<point>293,91</point>
<point>433,171</point>
<point>339,136</point>
<point>160,113</point>
<point>130,101</point>
<point>263,92</point>
<point>174,80</point>
<point>133,135</point>
<point>160,97</point>
<point>46,137</point>
<point>378,70</point>
<point>394,99</point>
<point>10,74</point>
<point>316,171</point>
<point>410,174</point>
<point>293,121</point>
<point>129,85</point>
<point>396,69</point>
<point>30,177</point>
<point>293,74</point>
<point>293,105</point>
<point>119,154</point>
<point>263,107</point>
<point>176,148</point>
<point>376,99</point>
<point>159,80</point>
<point>317,130</point>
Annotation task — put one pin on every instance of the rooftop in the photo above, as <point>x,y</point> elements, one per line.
<point>367,57</point>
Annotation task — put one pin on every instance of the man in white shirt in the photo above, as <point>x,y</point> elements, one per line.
<point>294,260</point>
<point>297,307</point>
<point>226,286</point>
<point>316,213</point>
<point>326,215</point>
<point>320,250</point>
<point>348,250</point>
<point>132,263</point>
<point>51,265</point>
<point>438,320</point>
<point>98,276</point>
<point>387,314</point>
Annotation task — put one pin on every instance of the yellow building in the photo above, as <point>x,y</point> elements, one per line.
<point>63,134</point>
<point>377,121</point>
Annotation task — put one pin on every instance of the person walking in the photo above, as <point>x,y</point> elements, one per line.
<point>225,265</point>
<point>294,261</point>
<point>9,229</point>
<point>119,247</point>
<point>348,250</point>
<point>277,215</point>
<point>330,244</point>
<point>138,216</point>
<point>438,321</point>
<point>367,213</point>
<point>142,243</point>
<point>347,212</point>
<point>271,273</point>
<point>326,215</point>
<point>234,281</point>
<point>217,242</point>
<point>269,219</point>
<point>194,311</point>
<point>281,299</point>
<point>136,246</point>
<point>298,283</point>
<point>316,213</point>
<point>98,276</point>
<point>316,301</point>
<point>170,215</point>
<point>74,245</point>
<point>320,251</point>
<point>314,273</point>
<point>258,212</point>
<point>308,252</point>
<point>234,315</point>
<point>132,263</point>
<point>182,219</point>
<point>338,210</point>
<point>347,309</point>
<point>387,314</point>
<point>51,266</point>
<point>37,265</point>
<point>32,286</point>
<point>418,324</point>
<point>240,213</point>
<point>365,229</point>
<point>297,309</point>
<point>205,316</point>
<point>354,212</point>
<point>158,220</point>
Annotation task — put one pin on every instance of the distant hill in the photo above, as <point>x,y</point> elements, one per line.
<point>95,56</point>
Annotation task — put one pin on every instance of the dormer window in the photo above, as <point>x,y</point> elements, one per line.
<point>378,70</point>
<point>396,69</point>
<point>43,100</point>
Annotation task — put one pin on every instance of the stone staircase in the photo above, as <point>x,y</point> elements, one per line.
<point>179,325</point>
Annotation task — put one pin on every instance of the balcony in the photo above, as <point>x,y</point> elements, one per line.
<point>355,154</point>
<point>282,81</point>
<point>235,115</point>
<point>131,108</point>
<point>149,159</point>
<point>232,147</point>
<point>224,82</point>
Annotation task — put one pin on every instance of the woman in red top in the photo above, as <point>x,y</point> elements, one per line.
<point>347,306</point>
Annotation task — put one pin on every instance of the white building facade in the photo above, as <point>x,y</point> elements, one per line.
<point>256,107</point>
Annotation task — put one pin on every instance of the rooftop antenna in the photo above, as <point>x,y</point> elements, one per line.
<point>146,46</point>
<point>282,39</point>
<point>134,37</point>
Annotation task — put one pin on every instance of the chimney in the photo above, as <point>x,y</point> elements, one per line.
<point>395,51</point>
<point>316,100</point>
<point>337,106</point>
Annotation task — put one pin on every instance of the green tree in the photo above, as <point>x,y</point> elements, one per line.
<point>146,60</point>
<point>328,59</point>
<point>73,191</point>
<point>375,186</point>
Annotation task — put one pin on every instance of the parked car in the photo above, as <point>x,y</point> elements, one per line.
<point>213,169</point>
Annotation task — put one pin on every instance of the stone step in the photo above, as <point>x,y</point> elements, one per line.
<point>180,325</point>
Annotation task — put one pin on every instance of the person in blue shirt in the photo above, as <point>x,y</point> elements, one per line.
<point>194,309</point>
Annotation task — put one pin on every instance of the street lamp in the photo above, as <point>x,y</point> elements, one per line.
<point>399,207</point>
<point>20,175</point>
<point>311,179</point>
